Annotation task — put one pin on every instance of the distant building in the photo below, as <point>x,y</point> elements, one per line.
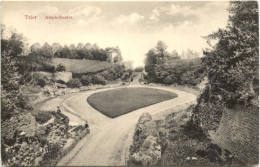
<point>114,55</point>
<point>111,54</point>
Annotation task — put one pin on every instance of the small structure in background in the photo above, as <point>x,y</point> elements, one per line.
<point>111,54</point>
<point>114,55</point>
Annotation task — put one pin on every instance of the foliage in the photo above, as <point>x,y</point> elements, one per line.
<point>98,79</point>
<point>235,55</point>
<point>139,69</point>
<point>86,80</point>
<point>167,69</point>
<point>12,100</point>
<point>53,152</point>
<point>39,79</point>
<point>42,117</point>
<point>89,52</point>
<point>48,68</point>
<point>232,64</point>
<point>60,68</point>
<point>74,83</point>
<point>113,73</point>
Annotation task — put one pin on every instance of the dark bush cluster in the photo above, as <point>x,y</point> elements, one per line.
<point>42,117</point>
<point>39,79</point>
<point>86,80</point>
<point>60,68</point>
<point>74,83</point>
<point>139,69</point>
<point>98,79</point>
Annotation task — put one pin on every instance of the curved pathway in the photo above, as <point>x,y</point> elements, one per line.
<point>110,139</point>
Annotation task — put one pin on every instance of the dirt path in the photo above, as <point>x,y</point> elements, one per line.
<point>110,139</point>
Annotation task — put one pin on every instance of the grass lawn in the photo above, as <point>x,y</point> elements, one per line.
<point>82,66</point>
<point>114,103</point>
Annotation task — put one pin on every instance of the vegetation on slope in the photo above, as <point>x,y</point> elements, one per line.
<point>174,141</point>
<point>232,65</point>
<point>164,68</point>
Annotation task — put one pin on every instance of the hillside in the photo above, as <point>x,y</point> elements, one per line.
<point>184,62</point>
<point>82,66</point>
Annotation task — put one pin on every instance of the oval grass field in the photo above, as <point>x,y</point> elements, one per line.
<point>116,102</point>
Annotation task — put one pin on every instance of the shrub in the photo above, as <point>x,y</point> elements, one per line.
<point>109,75</point>
<point>40,79</point>
<point>50,157</point>
<point>98,79</point>
<point>60,68</point>
<point>86,80</point>
<point>125,76</point>
<point>139,69</point>
<point>193,131</point>
<point>74,83</point>
<point>60,81</point>
<point>170,79</point>
<point>42,117</point>
<point>48,68</point>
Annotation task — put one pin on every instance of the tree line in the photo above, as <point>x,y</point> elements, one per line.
<point>81,51</point>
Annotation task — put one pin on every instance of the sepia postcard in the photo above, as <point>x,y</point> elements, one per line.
<point>129,83</point>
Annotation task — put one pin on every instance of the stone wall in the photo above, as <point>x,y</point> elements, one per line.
<point>239,133</point>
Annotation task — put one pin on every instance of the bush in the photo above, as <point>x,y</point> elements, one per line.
<point>109,75</point>
<point>74,83</point>
<point>48,68</point>
<point>125,76</point>
<point>139,69</point>
<point>60,81</point>
<point>98,79</point>
<point>40,79</point>
<point>171,79</point>
<point>60,68</point>
<point>86,80</point>
<point>42,117</point>
<point>50,157</point>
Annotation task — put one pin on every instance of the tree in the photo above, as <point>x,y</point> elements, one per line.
<point>150,61</point>
<point>72,47</point>
<point>232,64</point>
<point>161,48</point>
<point>154,60</point>
<point>11,97</point>
<point>47,51</point>
<point>66,52</point>
<point>56,47</point>
<point>87,46</point>
<point>35,47</point>
<point>80,46</point>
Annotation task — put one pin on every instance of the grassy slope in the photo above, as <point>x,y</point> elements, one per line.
<point>185,62</point>
<point>82,66</point>
<point>117,102</point>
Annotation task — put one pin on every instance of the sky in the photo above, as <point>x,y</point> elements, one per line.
<point>135,27</point>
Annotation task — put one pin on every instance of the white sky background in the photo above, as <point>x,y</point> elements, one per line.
<point>135,27</point>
